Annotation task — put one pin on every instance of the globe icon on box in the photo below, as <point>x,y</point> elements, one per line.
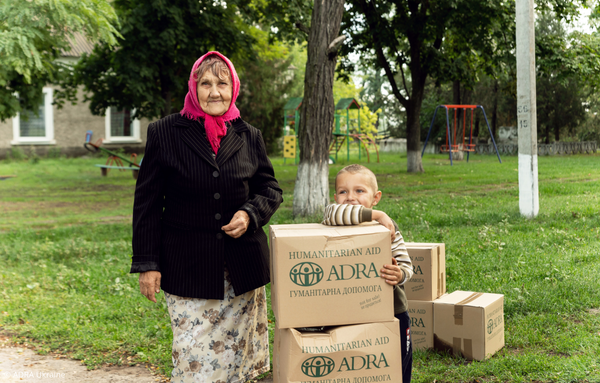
<point>318,366</point>
<point>306,274</point>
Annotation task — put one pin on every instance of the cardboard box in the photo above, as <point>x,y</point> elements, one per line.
<point>357,353</point>
<point>469,324</point>
<point>421,324</point>
<point>330,275</point>
<point>429,266</point>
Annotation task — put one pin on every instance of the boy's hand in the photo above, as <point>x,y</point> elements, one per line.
<point>392,274</point>
<point>386,221</point>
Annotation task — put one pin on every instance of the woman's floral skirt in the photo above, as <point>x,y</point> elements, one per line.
<point>219,341</point>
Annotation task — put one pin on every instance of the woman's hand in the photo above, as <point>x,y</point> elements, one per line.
<point>238,225</point>
<point>392,274</point>
<point>386,221</point>
<point>150,284</point>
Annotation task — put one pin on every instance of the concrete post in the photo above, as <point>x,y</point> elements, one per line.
<point>526,110</point>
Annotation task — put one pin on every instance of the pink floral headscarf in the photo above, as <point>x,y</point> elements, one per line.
<point>214,125</point>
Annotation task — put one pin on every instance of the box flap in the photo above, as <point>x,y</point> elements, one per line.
<point>469,298</point>
<point>423,245</point>
<point>317,229</point>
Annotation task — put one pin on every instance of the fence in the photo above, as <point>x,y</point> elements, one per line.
<point>543,149</point>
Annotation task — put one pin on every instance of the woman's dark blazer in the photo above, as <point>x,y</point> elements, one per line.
<point>184,195</point>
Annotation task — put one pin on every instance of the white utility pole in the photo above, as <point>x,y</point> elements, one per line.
<point>529,203</point>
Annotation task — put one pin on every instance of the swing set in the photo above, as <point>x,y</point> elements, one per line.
<point>456,133</point>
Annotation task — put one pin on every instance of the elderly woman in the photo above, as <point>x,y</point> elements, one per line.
<point>205,189</point>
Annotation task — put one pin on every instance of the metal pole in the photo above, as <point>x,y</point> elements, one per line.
<point>429,132</point>
<point>491,134</point>
<point>348,136</point>
<point>449,135</point>
<point>526,110</point>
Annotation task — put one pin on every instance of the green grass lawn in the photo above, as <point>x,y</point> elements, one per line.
<point>65,253</point>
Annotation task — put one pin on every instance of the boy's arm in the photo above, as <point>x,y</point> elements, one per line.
<point>400,253</point>
<point>345,215</point>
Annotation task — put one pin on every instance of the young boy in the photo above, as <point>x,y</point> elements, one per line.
<point>355,195</point>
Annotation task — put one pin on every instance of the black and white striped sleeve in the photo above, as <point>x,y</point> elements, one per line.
<point>346,215</point>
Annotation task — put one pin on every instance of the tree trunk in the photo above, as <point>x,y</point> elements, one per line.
<point>165,93</point>
<point>456,100</point>
<point>495,111</point>
<point>556,119</point>
<point>167,96</point>
<point>311,192</point>
<point>413,129</point>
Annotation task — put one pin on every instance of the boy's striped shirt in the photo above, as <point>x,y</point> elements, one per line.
<point>346,215</point>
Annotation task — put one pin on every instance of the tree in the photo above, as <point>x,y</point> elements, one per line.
<point>32,35</point>
<point>160,42</point>
<point>311,191</point>
<point>413,40</point>
<point>560,85</point>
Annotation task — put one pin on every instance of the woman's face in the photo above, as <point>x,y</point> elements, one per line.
<point>214,94</point>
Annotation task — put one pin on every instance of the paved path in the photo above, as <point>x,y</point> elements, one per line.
<point>20,364</point>
<point>24,365</point>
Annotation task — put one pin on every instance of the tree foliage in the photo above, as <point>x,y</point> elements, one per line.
<point>33,34</point>
<point>447,41</point>
<point>160,42</point>
<point>266,85</point>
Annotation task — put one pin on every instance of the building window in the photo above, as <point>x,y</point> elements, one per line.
<point>120,128</point>
<point>31,128</point>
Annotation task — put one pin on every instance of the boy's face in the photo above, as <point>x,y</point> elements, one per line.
<point>355,189</point>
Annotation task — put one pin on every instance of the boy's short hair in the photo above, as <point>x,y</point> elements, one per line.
<point>356,168</point>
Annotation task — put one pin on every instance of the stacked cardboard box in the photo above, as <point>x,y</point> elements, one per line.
<point>426,285</point>
<point>469,324</point>
<point>465,323</point>
<point>330,276</point>
<point>357,353</point>
<point>429,271</point>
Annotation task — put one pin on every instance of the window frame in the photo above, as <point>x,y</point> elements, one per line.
<point>48,139</point>
<point>110,139</point>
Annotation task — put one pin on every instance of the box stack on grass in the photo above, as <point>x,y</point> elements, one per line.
<point>464,323</point>
<point>329,277</point>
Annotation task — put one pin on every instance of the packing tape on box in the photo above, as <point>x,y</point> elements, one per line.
<point>458,308</point>
<point>467,351</point>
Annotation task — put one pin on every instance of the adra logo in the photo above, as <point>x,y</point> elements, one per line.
<point>306,274</point>
<point>416,322</point>
<point>318,366</point>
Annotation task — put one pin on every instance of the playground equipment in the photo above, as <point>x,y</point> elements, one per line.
<point>113,158</point>
<point>452,142</point>
<point>291,117</point>
<point>350,130</point>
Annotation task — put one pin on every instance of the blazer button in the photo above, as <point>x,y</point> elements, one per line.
<point>217,216</point>
<point>215,174</point>
<point>219,236</point>
<point>217,196</point>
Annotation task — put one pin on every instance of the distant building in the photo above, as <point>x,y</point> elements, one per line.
<point>65,129</point>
